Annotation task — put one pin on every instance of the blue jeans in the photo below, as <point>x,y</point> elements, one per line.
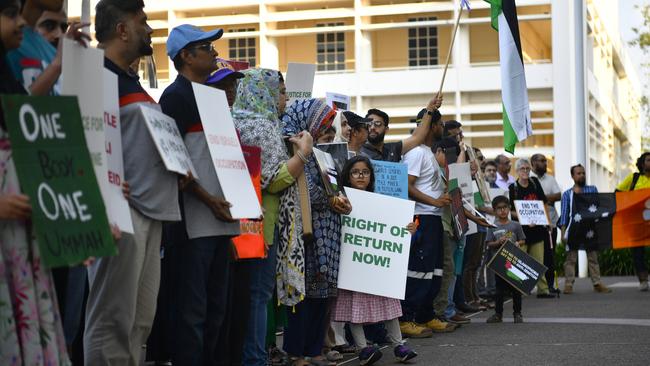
<point>450,311</point>
<point>262,282</point>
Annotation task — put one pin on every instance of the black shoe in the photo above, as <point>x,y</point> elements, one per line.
<point>518,318</point>
<point>467,309</point>
<point>545,296</point>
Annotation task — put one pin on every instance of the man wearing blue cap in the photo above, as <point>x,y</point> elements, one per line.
<point>203,260</point>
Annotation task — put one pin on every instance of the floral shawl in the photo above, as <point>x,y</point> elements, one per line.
<point>256,118</point>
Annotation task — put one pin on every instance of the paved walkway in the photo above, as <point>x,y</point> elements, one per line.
<point>585,328</point>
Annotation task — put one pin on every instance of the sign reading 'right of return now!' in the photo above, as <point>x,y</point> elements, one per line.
<point>375,244</point>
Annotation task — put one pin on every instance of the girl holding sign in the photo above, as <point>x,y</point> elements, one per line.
<point>31,331</point>
<point>358,308</point>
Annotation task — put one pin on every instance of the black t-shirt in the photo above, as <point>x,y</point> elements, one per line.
<point>392,152</point>
<point>533,192</point>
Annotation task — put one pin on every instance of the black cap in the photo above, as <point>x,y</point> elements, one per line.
<point>435,116</point>
<point>355,120</point>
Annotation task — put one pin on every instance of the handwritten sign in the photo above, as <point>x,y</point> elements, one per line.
<point>300,81</point>
<point>531,212</point>
<point>168,140</point>
<point>55,171</point>
<point>375,244</point>
<point>117,206</point>
<point>391,179</point>
<point>517,267</point>
<point>226,152</point>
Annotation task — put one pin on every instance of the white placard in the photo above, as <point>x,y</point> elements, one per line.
<point>83,77</point>
<point>300,81</point>
<point>531,212</point>
<point>117,206</point>
<point>338,101</point>
<point>463,173</point>
<point>168,140</point>
<point>226,152</point>
<point>375,244</point>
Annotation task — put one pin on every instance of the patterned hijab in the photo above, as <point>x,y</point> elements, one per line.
<point>255,114</point>
<point>312,115</point>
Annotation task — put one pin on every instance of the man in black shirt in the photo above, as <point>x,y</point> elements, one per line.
<point>376,149</point>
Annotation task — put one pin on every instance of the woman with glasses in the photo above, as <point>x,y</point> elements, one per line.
<point>358,308</point>
<point>529,188</point>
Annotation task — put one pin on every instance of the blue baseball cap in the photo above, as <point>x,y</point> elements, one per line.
<point>185,34</point>
<point>224,70</point>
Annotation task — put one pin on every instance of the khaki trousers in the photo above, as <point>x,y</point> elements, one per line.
<point>122,297</point>
<point>570,266</point>
<point>536,250</point>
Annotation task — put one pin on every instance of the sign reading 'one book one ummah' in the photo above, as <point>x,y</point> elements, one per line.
<point>55,171</point>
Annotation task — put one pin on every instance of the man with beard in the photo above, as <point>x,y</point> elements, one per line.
<point>579,178</point>
<point>376,149</point>
<point>504,179</point>
<point>123,288</point>
<point>490,173</point>
<point>553,194</point>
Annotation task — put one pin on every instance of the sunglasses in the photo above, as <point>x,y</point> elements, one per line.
<point>50,25</point>
<point>207,47</point>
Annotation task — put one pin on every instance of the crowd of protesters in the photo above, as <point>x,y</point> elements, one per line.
<point>191,303</point>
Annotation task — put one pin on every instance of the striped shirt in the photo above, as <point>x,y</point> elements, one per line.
<point>567,200</point>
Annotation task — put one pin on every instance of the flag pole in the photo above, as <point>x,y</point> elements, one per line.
<point>451,46</point>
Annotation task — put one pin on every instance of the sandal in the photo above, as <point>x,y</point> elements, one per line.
<point>345,348</point>
<point>333,356</point>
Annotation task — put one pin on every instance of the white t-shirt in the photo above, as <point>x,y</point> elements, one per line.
<point>423,165</point>
<point>549,186</point>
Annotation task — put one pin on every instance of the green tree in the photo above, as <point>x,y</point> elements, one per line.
<point>643,42</point>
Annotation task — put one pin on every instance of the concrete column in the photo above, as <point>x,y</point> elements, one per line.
<point>269,53</point>
<point>362,52</point>
<point>171,23</point>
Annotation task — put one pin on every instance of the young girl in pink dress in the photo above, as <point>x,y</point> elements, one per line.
<point>357,308</point>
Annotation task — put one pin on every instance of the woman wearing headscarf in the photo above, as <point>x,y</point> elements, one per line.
<point>30,325</point>
<point>342,128</point>
<point>261,99</point>
<point>308,320</point>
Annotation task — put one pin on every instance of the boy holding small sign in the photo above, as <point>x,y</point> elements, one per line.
<point>504,231</point>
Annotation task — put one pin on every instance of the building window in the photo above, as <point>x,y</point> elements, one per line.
<point>243,49</point>
<point>330,49</point>
<point>423,44</point>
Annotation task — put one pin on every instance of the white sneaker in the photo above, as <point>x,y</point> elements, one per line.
<point>643,286</point>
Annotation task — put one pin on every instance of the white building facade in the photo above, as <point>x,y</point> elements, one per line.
<point>390,54</point>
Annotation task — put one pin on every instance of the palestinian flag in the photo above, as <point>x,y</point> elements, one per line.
<point>516,112</point>
<point>610,220</point>
<point>514,273</point>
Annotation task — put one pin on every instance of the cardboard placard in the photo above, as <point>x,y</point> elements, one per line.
<point>531,212</point>
<point>391,179</point>
<point>517,267</point>
<point>375,244</point>
<point>226,152</point>
<point>300,81</point>
<point>118,207</point>
<point>338,101</point>
<point>338,151</point>
<point>168,141</point>
<point>55,170</point>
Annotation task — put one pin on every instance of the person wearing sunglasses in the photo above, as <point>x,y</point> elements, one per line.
<point>358,131</point>
<point>52,25</point>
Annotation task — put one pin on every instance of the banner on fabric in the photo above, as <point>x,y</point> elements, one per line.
<point>300,81</point>
<point>531,212</point>
<point>375,244</point>
<point>517,267</point>
<point>168,141</point>
<point>226,152</point>
<point>117,205</point>
<point>391,179</point>
<point>55,170</point>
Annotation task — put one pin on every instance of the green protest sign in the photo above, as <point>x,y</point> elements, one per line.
<point>55,171</point>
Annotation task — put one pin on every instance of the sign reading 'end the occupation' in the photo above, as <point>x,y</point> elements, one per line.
<point>55,171</point>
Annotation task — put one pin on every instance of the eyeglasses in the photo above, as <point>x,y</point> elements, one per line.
<point>376,123</point>
<point>501,208</point>
<point>50,25</point>
<point>524,169</point>
<point>207,47</point>
<point>360,173</point>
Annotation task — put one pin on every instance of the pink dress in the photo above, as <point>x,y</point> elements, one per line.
<point>359,308</point>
